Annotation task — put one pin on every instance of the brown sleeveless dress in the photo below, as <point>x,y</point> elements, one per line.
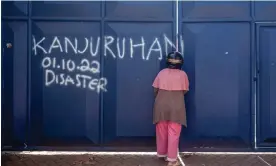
<point>169,106</point>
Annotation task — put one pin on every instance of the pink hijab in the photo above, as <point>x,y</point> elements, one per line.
<point>171,79</point>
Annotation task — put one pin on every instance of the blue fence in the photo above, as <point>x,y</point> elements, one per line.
<point>80,73</point>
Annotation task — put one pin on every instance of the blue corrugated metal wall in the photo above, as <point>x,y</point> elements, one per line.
<point>82,71</point>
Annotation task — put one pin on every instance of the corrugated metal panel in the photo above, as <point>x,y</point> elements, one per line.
<point>128,102</point>
<point>203,10</point>
<point>139,10</point>
<point>68,106</point>
<point>267,88</point>
<point>63,10</point>
<point>265,11</point>
<point>220,79</point>
<point>14,8</point>
<point>14,80</point>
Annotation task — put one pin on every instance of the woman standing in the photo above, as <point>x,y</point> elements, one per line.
<point>170,86</point>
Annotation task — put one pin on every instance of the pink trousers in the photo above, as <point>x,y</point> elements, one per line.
<point>167,139</point>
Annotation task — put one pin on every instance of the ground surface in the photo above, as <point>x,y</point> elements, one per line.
<point>136,160</point>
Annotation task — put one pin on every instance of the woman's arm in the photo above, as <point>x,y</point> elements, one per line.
<point>185,91</point>
<point>155,90</point>
<point>186,81</point>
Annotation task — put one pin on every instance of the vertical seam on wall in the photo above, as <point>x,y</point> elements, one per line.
<point>29,47</point>
<point>101,127</point>
<point>176,16</point>
<point>256,61</point>
<point>255,65</point>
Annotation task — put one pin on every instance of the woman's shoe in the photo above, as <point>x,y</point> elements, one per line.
<point>173,163</point>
